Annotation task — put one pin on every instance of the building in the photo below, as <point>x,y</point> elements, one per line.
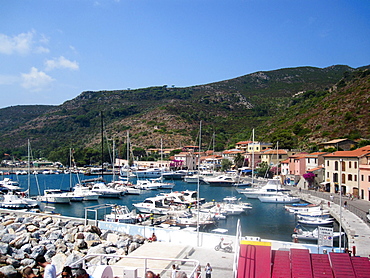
<point>342,170</point>
<point>364,182</point>
<point>273,157</point>
<point>242,145</point>
<point>258,147</point>
<point>338,144</point>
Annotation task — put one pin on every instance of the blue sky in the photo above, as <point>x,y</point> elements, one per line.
<point>52,50</point>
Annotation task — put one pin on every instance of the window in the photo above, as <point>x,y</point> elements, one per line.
<point>335,177</point>
<point>362,177</point>
<point>355,176</point>
<point>349,177</point>
<point>343,178</point>
<point>336,166</point>
<point>349,164</point>
<point>355,165</point>
<point>327,163</point>
<point>343,166</point>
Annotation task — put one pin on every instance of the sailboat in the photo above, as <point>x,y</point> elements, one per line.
<point>124,183</point>
<point>15,199</point>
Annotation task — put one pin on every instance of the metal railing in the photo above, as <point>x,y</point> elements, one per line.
<point>163,266</point>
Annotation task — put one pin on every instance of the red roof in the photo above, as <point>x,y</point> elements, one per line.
<point>355,153</point>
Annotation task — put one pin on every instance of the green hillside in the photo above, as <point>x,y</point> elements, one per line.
<point>297,106</point>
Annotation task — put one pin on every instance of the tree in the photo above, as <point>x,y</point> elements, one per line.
<point>239,160</point>
<point>263,170</point>
<point>225,164</point>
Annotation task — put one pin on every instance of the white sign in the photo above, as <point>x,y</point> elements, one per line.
<point>325,236</point>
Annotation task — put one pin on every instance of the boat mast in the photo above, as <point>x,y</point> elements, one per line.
<point>198,184</point>
<point>252,156</point>
<point>128,156</point>
<point>70,169</point>
<point>29,169</point>
<point>113,161</point>
<point>102,144</point>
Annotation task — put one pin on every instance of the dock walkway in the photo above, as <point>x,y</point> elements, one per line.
<point>352,218</point>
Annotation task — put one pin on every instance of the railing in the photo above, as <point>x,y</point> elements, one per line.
<point>162,266</point>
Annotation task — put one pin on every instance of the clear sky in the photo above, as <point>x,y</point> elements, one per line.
<point>52,50</point>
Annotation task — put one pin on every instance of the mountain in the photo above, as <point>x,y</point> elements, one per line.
<point>297,106</point>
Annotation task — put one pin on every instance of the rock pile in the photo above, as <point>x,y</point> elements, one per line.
<point>60,240</point>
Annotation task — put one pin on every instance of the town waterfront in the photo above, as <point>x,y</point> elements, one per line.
<point>264,220</point>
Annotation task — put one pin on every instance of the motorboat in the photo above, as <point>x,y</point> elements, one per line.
<point>155,205</point>
<point>13,201</point>
<point>280,198</point>
<point>237,201</point>
<point>161,184</point>
<point>316,221</point>
<point>301,233</point>
<point>303,207</point>
<point>222,180</point>
<point>194,178</point>
<point>271,188</point>
<point>122,214</point>
<point>9,184</point>
<point>83,193</point>
<point>55,196</point>
<point>106,192</point>
<point>148,173</point>
<point>175,175</point>
<point>187,197</point>
<point>318,214</point>
<point>188,219</point>
<point>146,185</point>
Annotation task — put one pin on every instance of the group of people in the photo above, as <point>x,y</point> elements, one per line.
<point>49,270</point>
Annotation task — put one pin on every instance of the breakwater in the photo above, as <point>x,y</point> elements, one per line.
<point>61,240</point>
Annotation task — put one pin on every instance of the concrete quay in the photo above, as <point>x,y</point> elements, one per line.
<point>352,218</point>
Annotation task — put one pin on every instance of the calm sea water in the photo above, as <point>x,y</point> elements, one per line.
<point>269,221</point>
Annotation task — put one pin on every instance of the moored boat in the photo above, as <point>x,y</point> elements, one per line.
<point>279,198</point>
<point>54,196</point>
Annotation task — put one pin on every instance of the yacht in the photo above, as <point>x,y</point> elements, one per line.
<point>13,201</point>
<point>156,205</point>
<point>106,192</point>
<point>222,180</point>
<point>55,196</point>
<point>279,197</point>
<point>83,193</point>
<point>272,187</point>
<point>9,184</point>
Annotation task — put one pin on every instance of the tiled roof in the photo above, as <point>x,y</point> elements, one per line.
<point>355,153</point>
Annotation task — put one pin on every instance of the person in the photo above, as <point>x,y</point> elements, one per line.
<point>49,269</point>
<point>198,272</point>
<point>149,274</point>
<point>345,204</point>
<point>28,272</point>
<point>152,219</point>
<point>174,271</point>
<point>67,272</point>
<point>208,270</point>
<point>81,273</point>
<point>153,237</point>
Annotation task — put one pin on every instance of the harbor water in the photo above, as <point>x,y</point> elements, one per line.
<point>264,220</point>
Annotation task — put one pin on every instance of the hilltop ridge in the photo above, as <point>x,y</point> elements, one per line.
<point>297,106</point>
